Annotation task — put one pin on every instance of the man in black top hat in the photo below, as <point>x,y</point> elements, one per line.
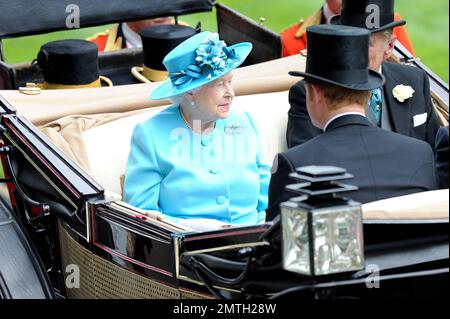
<point>338,85</point>
<point>402,105</point>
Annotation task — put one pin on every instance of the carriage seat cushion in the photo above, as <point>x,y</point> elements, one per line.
<point>108,145</point>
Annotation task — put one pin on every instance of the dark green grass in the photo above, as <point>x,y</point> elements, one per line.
<point>428,23</point>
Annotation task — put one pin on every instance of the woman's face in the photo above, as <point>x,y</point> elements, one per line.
<point>213,100</point>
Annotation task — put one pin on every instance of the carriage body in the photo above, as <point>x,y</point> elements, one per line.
<point>68,216</point>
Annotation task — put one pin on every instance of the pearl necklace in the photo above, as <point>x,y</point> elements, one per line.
<point>187,123</point>
<point>184,120</point>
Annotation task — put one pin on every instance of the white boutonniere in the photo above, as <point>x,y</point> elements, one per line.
<point>403,92</point>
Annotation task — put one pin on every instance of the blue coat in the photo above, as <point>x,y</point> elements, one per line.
<point>188,175</point>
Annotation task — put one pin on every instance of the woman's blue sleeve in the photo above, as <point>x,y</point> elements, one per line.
<point>264,175</point>
<point>143,175</point>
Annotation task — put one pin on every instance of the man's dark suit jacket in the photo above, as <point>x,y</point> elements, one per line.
<point>384,164</point>
<point>300,129</point>
<point>441,153</point>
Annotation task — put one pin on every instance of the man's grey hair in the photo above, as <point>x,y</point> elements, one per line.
<point>388,34</point>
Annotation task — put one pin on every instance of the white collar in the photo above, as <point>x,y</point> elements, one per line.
<point>340,115</point>
<point>327,13</point>
<point>133,39</point>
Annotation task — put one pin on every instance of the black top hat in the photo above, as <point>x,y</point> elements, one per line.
<point>339,55</point>
<point>157,42</point>
<point>365,14</point>
<point>69,62</point>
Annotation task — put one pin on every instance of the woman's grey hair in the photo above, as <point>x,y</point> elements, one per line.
<point>177,99</point>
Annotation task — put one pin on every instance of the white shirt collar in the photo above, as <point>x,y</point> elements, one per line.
<point>327,13</point>
<point>133,39</point>
<point>340,115</point>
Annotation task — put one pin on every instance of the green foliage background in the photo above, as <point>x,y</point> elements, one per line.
<point>428,24</point>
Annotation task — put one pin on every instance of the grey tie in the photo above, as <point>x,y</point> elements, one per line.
<point>370,115</point>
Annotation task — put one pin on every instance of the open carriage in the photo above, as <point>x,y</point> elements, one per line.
<point>61,213</point>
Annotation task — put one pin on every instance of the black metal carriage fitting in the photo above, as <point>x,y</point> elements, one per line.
<point>207,282</point>
<point>6,150</point>
<point>45,208</point>
<point>195,261</point>
<point>319,183</point>
<point>2,131</point>
<point>210,278</point>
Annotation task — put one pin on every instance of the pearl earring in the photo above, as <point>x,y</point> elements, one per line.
<point>192,103</point>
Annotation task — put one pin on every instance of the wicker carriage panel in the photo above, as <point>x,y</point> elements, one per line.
<point>189,294</point>
<point>102,279</point>
<point>113,282</point>
<point>74,253</point>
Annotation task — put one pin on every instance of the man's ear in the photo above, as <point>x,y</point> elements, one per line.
<point>390,47</point>
<point>316,92</point>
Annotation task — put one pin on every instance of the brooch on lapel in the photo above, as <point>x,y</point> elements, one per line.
<point>233,129</point>
<point>403,92</point>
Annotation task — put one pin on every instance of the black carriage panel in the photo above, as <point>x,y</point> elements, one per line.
<point>27,17</point>
<point>234,27</point>
<point>405,246</point>
<point>45,186</point>
<point>232,237</point>
<point>133,243</point>
<point>59,169</point>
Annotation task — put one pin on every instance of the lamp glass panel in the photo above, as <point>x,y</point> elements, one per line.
<point>338,240</point>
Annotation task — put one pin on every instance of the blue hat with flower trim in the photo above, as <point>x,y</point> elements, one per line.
<point>197,61</point>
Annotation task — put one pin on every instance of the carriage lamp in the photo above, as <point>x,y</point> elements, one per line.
<point>322,233</point>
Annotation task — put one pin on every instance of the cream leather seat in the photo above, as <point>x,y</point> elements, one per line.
<point>108,145</point>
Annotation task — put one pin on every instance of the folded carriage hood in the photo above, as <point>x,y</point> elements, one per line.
<point>271,76</point>
<point>26,17</point>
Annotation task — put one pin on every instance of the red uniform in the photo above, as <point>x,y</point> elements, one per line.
<point>113,39</point>
<point>109,40</point>
<point>294,37</point>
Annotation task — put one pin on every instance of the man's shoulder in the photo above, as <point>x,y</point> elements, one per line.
<point>298,29</point>
<point>400,141</point>
<point>442,135</point>
<point>291,30</point>
<point>394,140</point>
<point>298,88</point>
<point>305,149</point>
<point>407,71</point>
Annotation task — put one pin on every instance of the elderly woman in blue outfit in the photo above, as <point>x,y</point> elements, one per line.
<point>199,158</point>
